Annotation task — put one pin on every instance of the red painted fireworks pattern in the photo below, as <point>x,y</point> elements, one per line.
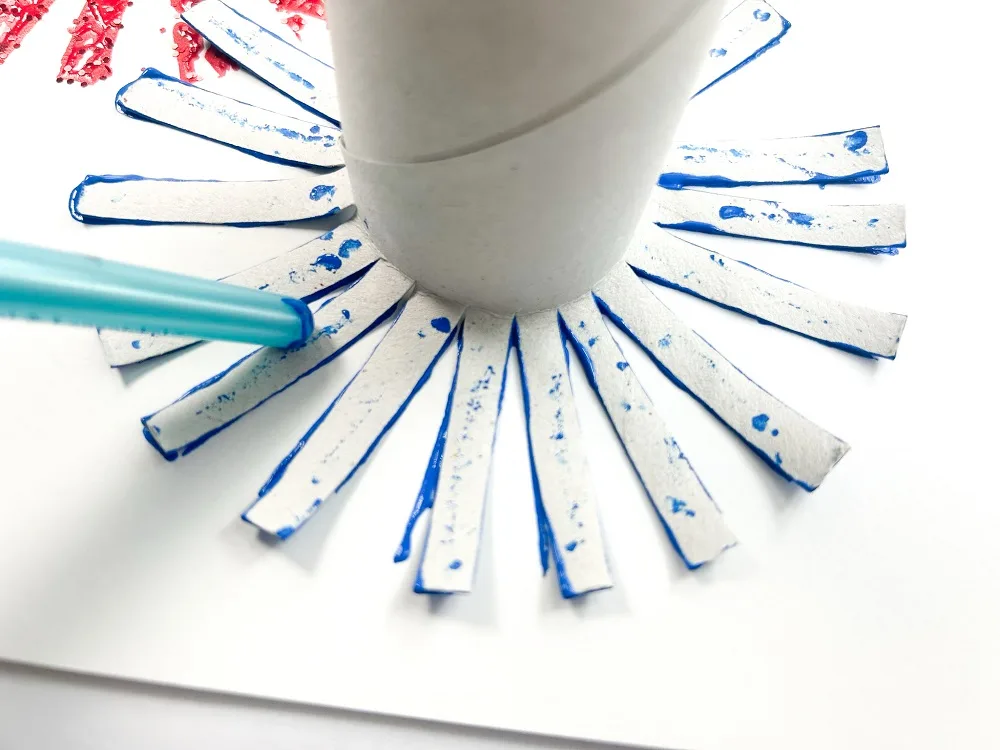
<point>17,18</point>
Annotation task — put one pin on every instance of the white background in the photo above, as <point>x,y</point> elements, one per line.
<point>863,614</point>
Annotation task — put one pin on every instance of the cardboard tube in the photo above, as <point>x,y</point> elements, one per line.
<point>502,152</point>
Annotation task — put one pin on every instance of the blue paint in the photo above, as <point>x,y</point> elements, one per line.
<point>347,246</point>
<point>679,506</point>
<point>774,433</point>
<point>872,222</point>
<point>570,546</point>
<point>322,191</point>
<point>441,324</point>
<point>777,460</point>
<point>455,564</point>
<point>717,52</point>
<point>856,141</point>
<point>761,15</point>
<point>136,344</point>
<point>328,261</point>
<point>760,422</point>
<point>591,341</point>
<point>621,365</point>
<point>421,335</point>
<point>626,406</point>
<point>314,129</point>
<point>803,220</point>
<point>665,341</point>
<point>774,41</point>
<point>315,480</point>
<point>734,212</point>
<point>737,153</point>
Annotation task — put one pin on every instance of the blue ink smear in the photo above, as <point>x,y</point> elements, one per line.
<point>760,422</point>
<point>314,129</point>
<point>774,433</point>
<point>571,546</point>
<point>872,222</point>
<point>346,246</point>
<point>856,141</point>
<point>136,343</point>
<point>733,212</point>
<point>329,261</point>
<point>322,191</point>
<point>804,220</point>
<point>621,366</point>
<point>455,564</point>
<point>719,52</point>
<point>761,15</point>
<point>441,324</point>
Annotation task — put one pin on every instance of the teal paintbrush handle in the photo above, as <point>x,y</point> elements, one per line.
<point>40,284</point>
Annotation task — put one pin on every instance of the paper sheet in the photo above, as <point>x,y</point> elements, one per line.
<point>568,525</point>
<point>332,259</point>
<point>691,518</point>
<point>661,256</point>
<point>162,99</point>
<point>869,229</point>
<point>792,445</point>
<point>347,432</point>
<point>215,404</point>
<point>284,66</point>
<point>847,156</point>
<point>451,549</point>
<point>131,199</point>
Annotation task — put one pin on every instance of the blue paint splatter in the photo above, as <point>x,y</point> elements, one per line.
<point>733,212</point>
<point>329,261</point>
<point>421,334</point>
<point>737,153</point>
<point>136,343</point>
<point>760,422</point>
<point>621,366</point>
<point>665,341</point>
<point>570,546</point>
<point>761,15</point>
<point>322,191</point>
<point>774,433</point>
<point>592,341</point>
<point>455,564</point>
<point>717,52</point>
<point>315,480</point>
<point>803,220</point>
<point>626,406</point>
<point>314,129</point>
<point>777,458</point>
<point>441,324</point>
<point>262,287</point>
<point>856,141</point>
<point>679,506</point>
<point>872,222</point>
<point>346,246</point>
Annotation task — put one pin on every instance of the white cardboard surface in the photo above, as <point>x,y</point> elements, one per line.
<point>269,135</point>
<point>793,446</point>
<point>222,399</point>
<point>670,260</point>
<point>870,229</point>
<point>345,435</point>
<point>746,32</point>
<point>569,527</point>
<point>331,259</point>
<point>451,550</point>
<point>693,521</point>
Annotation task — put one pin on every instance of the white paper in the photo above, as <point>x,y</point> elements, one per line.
<point>268,135</point>
<point>215,404</point>
<point>667,259</point>
<point>332,259</point>
<point>284,66</point>
<point>844,157</point>
<point>493,189</point>
<point>747,31</point>
<point>792,445</point>
<point>569,527</point>
<point>690,516</point>
<point>871,229</point>
<point>451,550</point>
<point>347,432</point>
<point>130,199</point>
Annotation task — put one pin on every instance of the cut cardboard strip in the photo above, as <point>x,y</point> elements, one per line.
<point>345,435</point>
<point>746,33</point>
<point>660,256</point>
<point>156,97</point>
<point>863,229</point>
<point>850,156</point>
<point>290,70</point>
<point>457,479</point>
<point>690,517</point>
<point>131,199</point>
<point>310,270</point>
<point>568,524</point>
<point>794,447</point>
<point>215,404</point>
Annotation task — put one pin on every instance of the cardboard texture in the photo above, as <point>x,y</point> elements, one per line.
<point>667,259</point>
<point>793,446</point>
<point>689,515</point>
<point>215,404</point>
<point>849,156</point>
<point>332,259</point>
<point>162,99</point>
<point>865,229</point>
<point>568,525</point>
<point>347,432</point>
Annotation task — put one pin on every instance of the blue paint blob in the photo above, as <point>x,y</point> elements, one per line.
<point>621,366</point>
<point>856,141</point>
<point>737,153</point>
<point>346,246</point>
<point>322,191</point>
<point>872,222</point>
<point>626,406</point>
<point>665,341</point>
<point>803,220</point>
<point>441,324</point>
<point>774,433</point>
<point>761,15</point>
<point>592,341</point>
<point>315,480</point>
<point>314,129</point>
<point>570,546</point>
<point>733,212</point>
<point>777,459</point>
<point>329,261</point>
<point>717,52</point>
<point>136,343</point>
<point>346,314</point>
<point>262,287</point>
<point>455,564</point>
<point>760,422</point>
